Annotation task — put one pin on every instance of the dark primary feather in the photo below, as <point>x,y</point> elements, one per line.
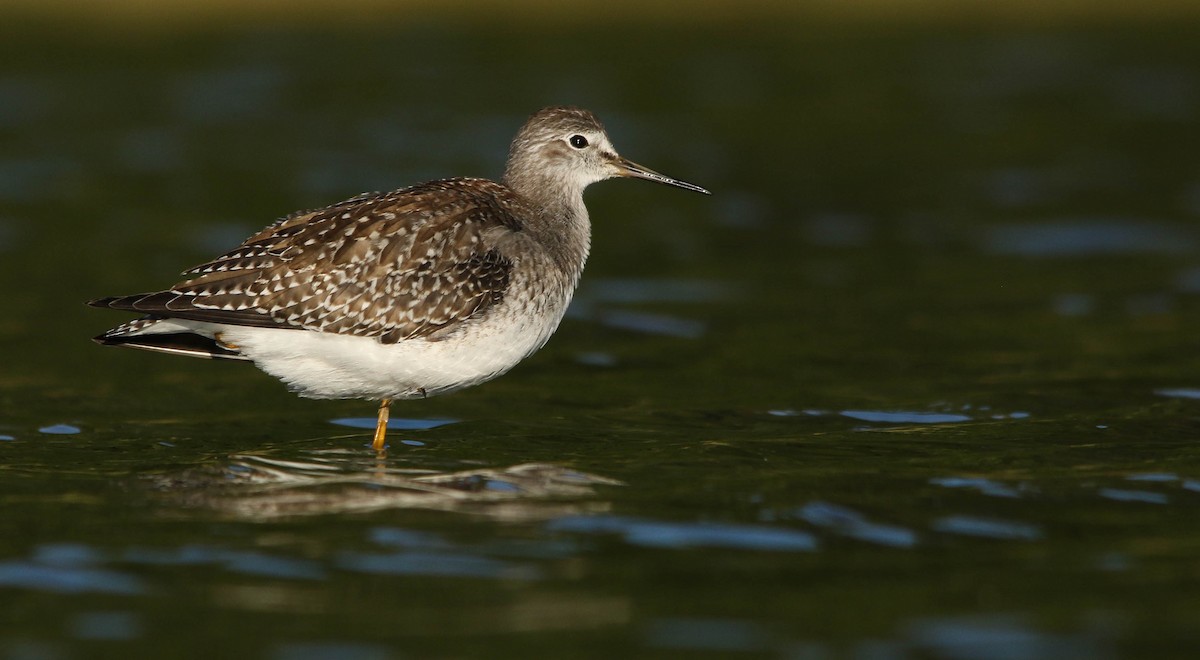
<point>177,343</point>
<point>392,266</point>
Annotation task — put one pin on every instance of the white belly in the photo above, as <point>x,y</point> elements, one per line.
<point>331,366</point>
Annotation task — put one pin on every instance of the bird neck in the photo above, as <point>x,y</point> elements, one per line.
<point>555,196</point>
<point>556,218</point>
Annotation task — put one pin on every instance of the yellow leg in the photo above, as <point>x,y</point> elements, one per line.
<point>381,425</point>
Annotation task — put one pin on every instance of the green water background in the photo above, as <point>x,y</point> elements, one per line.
<point>918,380</point>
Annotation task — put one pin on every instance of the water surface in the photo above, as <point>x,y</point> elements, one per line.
<point>919,380</point>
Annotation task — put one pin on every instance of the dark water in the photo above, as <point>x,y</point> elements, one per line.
<point>921,379</point>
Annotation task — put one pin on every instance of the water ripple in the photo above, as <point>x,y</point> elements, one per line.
<point>405,538</point>
<point>60,429</point>
<point>905,417</point>
<point>1088,238</point>
<point>437,564</point>
<point>1179,393</point>
<point>394,423</point>
<point>654,324</point>
<point>1158,477</point>
<point>1000,638</point>
<point>1121,495</point>
<point>260,487</point>
<point>67,579</point>
<point>901,416</point>
<point>236,561</point>
<point>987,528</point>
<point>852,524</point>
<point>984,486</point>
<point>659,534</point>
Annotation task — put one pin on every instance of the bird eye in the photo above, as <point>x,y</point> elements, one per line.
<point>578,141</point>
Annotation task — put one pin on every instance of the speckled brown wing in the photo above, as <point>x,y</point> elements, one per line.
<point>392,266</point>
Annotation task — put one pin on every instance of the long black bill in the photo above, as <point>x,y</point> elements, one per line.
<point>632,169</point>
